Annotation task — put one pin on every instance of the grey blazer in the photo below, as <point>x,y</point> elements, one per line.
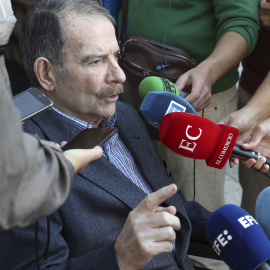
<point>84,229</point>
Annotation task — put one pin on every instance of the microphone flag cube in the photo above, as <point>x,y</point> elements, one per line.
<point>157,103</point>
<point>196,137</point>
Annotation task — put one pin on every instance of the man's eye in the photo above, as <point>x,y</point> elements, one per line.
<point>95,62</point>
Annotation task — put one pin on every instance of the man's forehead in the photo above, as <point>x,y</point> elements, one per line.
<point>90,36</point>
<point>72,22</point>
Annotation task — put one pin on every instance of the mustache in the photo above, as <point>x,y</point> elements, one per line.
<point>111,91</point>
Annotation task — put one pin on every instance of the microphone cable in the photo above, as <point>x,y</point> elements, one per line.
<point>166,65</point>
<point>194,171</point>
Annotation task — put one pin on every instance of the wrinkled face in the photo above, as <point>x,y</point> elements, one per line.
<point>89,86</point>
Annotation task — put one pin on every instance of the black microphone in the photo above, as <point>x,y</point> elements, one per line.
<point>247,154</point>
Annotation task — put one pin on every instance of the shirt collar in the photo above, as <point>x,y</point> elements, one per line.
<point>80,124</point>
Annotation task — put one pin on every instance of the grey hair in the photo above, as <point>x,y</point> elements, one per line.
<point>42,33</point>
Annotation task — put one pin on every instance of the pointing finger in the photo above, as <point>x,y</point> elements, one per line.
<point>151,201</point>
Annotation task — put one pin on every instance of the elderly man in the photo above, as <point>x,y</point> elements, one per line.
<point>35,175</point>
<point>122,212</point>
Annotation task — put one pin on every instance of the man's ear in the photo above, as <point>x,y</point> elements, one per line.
<point>44,72</point>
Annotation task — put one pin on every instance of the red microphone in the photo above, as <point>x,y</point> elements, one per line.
<point>196,137</point>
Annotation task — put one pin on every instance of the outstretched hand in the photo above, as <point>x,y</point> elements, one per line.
<point>241,119</point>
<point>149,230</point>
<point>198,79</point>
<point>258,139</point>
<point>251,137</point>
<point>81,157</point>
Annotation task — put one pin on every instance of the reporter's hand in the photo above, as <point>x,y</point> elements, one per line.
<point>81,157</point>
<point>149,230</point>
<point>258,139</point>
<point>199,79</point>
<point>243,120</point>
<point>251,137</point>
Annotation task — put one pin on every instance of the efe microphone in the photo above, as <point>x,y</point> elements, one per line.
<point>238,239</point>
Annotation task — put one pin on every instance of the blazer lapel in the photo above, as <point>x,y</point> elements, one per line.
<point>104,174</point>
<point>54,128</point>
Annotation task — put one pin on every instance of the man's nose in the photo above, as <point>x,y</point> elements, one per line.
<point>116,72</point>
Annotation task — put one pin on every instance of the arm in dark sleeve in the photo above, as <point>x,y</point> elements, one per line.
<point>22,255</point>
<point>198,216</point>
<point>102,258</point>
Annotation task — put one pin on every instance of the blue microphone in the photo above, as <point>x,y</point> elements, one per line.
<point>156,104</point>
<point>238,239</point>
<point>262,210</point>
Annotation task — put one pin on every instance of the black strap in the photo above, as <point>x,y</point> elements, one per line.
<point>123,21</point>
<point>2,49</point>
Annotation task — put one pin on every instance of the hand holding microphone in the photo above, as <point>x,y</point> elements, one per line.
<point>238,239</point>
<point>160,98</point>
<point>252,135</point>
<point>200,80</point>
<point>197,137</point>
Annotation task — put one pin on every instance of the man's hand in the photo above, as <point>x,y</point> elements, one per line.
<point>81,157</point>
<point>198,79</point>
<point>149,230</point>
<point>228,52</point>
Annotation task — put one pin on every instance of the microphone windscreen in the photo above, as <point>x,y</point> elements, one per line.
<point>237,238</point>
<point>153,83</point>
<point>196,137</point>
<point>262,210</point>
<point>156,104</point>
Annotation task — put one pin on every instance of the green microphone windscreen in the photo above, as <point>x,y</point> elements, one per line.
<point>153,83</point>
